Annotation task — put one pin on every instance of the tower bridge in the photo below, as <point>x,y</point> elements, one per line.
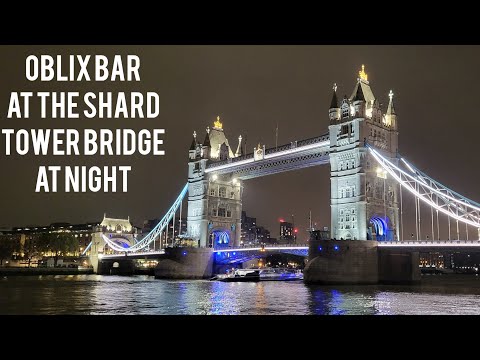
<point>368,180</point>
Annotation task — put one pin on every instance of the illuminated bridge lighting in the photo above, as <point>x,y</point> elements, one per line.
<point>420,244</point>
<point>156,231</point>
<point>431,192</point>
<point>269,248</point>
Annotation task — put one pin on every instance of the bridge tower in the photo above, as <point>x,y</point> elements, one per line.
<point>214,200</point>
<point>364,200</point>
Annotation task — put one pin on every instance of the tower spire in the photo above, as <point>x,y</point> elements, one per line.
<point>239,151</point>
<point>206,142</point>
<point>334,103</point>
<point>362,74</point>
<point>217,124</point>
<point>391,108</point>
<point>193,146</point>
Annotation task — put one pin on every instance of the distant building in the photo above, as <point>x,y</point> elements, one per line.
<point>286,232</point>
<point>28,237</point>
<point>263,235</point>
<point>248,234</point>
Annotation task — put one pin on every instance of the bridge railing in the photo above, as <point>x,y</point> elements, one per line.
<point>430,242</point>
<point>139,253</point>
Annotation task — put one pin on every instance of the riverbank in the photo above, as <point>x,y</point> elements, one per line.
<point>44,271</point>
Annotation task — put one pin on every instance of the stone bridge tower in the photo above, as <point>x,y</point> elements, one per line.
<point>364,200</point>
<point>214,201</point>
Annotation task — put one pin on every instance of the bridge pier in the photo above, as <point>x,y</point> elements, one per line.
<point>115,267</point>
<point>359,262</point>
<point>342,262</point>
<point>185,263</point>
<point>398,267</point>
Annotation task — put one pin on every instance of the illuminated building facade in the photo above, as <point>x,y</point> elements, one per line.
<point>364,201</point>
<point>214,201</point>
<point>286,232</point>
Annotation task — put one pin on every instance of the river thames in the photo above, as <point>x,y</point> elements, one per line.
<point>95,294</point>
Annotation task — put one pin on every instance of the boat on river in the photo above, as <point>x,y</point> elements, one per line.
<point>280,274</point>
<point>264,274</point>
<point>239,275</point>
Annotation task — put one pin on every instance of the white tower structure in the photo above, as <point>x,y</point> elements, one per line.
<point>364,200</point>
<point>214,201</point>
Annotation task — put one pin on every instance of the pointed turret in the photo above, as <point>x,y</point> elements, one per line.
<point>217,138</point>
<point>334,103</point>
<point>365,93</point>
<point>390,118</point>
<point>391,108</point>
<point>192,152</point>
<point>194,141</point>
<point>239,151</point>
<point>359,101</point>
<point>334,111</point>
<point>206,142</point>
<point>359,94</point>
<point>206,147</point>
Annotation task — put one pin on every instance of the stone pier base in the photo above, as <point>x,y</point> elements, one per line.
<point>397,267</point>
<point>342,262</point>
<point>359,262</point>
<point>185,263</point>
<point>116,267</point>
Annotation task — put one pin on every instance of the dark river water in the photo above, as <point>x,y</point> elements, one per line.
<point>95,294</point>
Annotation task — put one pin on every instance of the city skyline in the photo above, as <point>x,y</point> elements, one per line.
<point>268,87</point>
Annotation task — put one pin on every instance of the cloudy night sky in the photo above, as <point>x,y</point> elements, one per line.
<point>252,88</point>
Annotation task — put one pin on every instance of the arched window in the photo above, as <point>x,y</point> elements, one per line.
<point>212,192</point>
<point>345,110</point>
<point>222,192</point>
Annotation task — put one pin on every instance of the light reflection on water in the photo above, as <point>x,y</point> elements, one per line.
<point>95,294</point>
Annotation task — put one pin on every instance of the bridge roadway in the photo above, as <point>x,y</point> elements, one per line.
<point>245,253</point>
<point>135,255</point>
<point>292,156</point>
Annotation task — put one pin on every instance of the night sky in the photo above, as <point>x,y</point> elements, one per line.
<point>252,88</point>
